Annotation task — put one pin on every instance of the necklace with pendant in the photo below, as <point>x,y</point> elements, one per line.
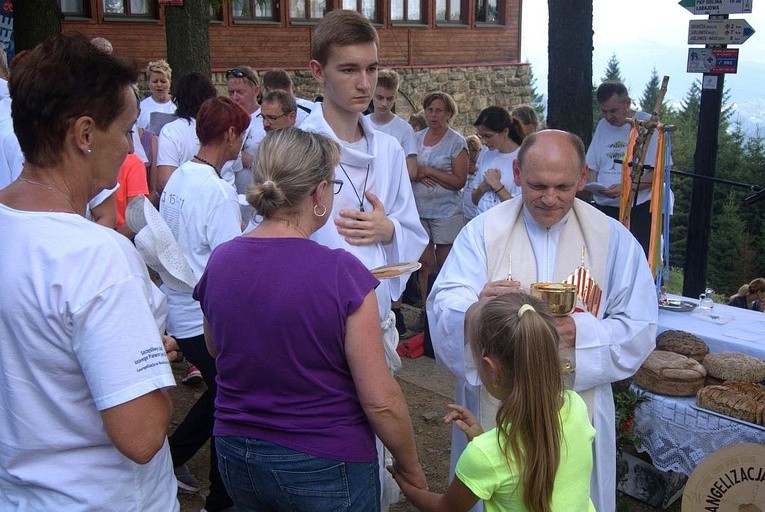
<point>360,197</point>
<point>67,196</point>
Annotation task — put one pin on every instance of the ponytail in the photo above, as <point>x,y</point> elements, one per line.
<point>517,329</point>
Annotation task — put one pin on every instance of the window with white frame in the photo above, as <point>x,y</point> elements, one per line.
<point>406,10</point>
<point>137,8</point>
<point>264,10</point>
<point>487,11</point>
<point>449,11</point>
<point>367,8</point>
<point>73,7</point>
<point>307,10</point>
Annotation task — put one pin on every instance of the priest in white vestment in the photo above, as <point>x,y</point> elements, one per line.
<point>540,237</point>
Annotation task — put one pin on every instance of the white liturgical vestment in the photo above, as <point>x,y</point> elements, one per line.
<point>609,347</point>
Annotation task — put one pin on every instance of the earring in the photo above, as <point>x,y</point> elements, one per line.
<point>323,211</point>
<point>88,151</point>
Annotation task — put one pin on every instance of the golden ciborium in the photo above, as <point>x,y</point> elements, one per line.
<point>560,297</point>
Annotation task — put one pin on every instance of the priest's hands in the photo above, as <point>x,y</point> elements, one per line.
<point>501,287</point>
<point>567,331</point>
<point>366,228</point>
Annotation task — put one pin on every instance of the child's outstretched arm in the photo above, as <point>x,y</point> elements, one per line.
<point>458,497</point>
<point>465,421</point>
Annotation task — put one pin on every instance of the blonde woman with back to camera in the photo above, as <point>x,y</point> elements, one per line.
<point>303,386</point>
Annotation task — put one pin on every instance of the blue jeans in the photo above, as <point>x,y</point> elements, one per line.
<point>261,476</point>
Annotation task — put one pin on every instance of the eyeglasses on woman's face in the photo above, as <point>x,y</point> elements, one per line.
<point>337,186</point>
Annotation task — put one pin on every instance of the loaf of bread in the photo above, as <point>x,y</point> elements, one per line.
<point>734,366</point>
<point>683,343</point>
<point>669,373</point>
<point>742,400</point>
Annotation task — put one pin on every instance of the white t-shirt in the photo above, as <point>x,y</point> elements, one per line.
<point>149,105</point>
<point>138,146</point>
<point>178,142</point>
<point>493,159</point>
<point>399,130</point>
<point>79,333</point>
<point>609,143</point>
<point>438,202</point>
<point>202,212</point>
<point>11,159</point>
<point>302,113</point>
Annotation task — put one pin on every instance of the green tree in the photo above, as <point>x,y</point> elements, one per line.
<point>537,99</point>
<point>725,248</point>
<point>736,246</point>
<point>686,120</point>
<point>613,71</point>
<point>651,94</point>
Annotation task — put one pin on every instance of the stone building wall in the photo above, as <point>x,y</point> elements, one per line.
<point>473,89</point>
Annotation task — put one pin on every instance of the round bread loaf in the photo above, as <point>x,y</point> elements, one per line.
<point>669,373</point>
<point>683,343</point>
<point>735,366</point>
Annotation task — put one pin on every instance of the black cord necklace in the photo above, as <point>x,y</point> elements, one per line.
<point>206,162</point>
<point>360,197</point>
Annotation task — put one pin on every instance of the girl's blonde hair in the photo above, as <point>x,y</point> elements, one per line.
<point>474,146</point>
<point>289,164</point>
<point>160,66</point>
<point>526,348</point>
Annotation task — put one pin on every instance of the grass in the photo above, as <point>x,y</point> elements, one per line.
<point>674,286</point>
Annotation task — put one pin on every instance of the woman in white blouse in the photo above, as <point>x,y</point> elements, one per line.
<point>442,162</point>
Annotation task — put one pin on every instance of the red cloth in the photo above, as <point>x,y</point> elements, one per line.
<point>412,348</point>
<point>132,180</point>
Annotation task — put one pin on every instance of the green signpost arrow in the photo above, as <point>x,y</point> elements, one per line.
<point>717,6</point>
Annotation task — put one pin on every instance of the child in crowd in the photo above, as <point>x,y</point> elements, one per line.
<point>385,120</point>
<point>540,456</point>
<point>474,148</point>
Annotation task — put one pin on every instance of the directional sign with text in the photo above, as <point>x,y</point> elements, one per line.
<point>712,60</point>
<point>719,31</point>
<point>717,6</point>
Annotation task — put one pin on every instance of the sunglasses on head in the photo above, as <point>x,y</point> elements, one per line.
<point>238,73</point>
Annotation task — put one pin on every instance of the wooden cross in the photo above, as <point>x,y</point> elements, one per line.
<point>640,151</point>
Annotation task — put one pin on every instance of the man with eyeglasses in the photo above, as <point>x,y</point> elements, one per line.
<point>279,80</point>
<point>243,88</point>
<point>278,111</point>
